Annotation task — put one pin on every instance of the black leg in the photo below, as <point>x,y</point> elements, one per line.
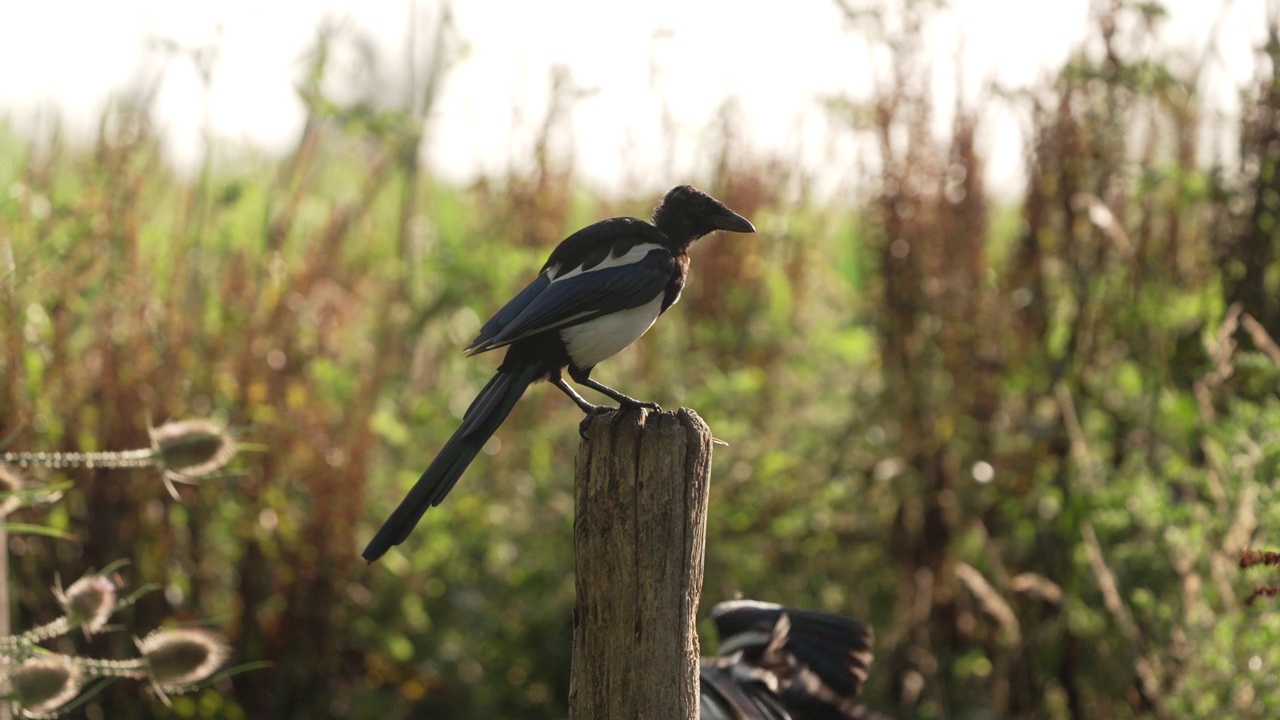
<point>581,402</point>
<point>624,400</point>
<point>587,407</point>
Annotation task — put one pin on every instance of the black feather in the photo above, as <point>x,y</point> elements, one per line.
<point>481,420</point>
<point>812,664</point>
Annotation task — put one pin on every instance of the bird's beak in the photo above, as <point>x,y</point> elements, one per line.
<point>734,222</point>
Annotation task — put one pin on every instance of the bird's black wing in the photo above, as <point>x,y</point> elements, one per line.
<point>817,655</point>
<point>510,311</point>
<point>590,246</point>
<point>583,250</point>
<point>550,304</point>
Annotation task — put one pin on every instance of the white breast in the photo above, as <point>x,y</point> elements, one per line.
<point>601,338</point>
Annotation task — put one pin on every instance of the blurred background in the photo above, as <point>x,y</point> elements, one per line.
<point>997,373</point>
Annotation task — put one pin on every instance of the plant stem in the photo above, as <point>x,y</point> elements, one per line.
<point>5,711</point>
<point>145,457</point>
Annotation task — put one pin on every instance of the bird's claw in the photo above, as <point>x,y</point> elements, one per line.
<point>586,421</point>
<point>623,406</point>
<point>638,404</point>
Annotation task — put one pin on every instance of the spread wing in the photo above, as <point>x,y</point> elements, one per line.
<point>816,660</point>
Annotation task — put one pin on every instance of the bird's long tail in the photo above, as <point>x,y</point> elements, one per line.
<point>482,419</point>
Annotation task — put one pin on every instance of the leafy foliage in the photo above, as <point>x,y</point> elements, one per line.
<point>1026,443</point>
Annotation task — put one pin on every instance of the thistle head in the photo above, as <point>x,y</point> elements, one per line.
<point>89,602</point>
<point>41,685</point>
<point>177,659</point>
<point>188,449</point>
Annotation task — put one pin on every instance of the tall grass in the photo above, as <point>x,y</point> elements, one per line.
<point>1024,442</point>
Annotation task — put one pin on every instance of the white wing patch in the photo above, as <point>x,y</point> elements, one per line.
<point>595,340</point>
<point>744,640</point>
<point>729,606</point>
<point>634,255</point>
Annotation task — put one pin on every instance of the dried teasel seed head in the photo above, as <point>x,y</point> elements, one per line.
<point>42,684</point>
<point>178,658</point>
<point>89,602</point>
<point>189,449</point>
<point>10,482</point>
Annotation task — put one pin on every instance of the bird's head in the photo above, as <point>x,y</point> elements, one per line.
<point>686,214</point>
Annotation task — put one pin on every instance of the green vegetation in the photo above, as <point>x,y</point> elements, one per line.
<point>1027,444</point>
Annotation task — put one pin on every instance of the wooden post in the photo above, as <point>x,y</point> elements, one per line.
<point>639,530</point>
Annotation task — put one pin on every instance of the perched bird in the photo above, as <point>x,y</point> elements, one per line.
<point>599,291</point>
<point>781,663</point>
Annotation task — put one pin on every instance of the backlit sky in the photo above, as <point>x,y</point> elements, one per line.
<point>687,56</point>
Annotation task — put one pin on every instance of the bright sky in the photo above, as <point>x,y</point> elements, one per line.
<point>777,64</point>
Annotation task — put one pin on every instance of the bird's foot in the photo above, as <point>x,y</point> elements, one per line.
<point>627,403</point>
<point>624,403</point>
<point>591,413</point>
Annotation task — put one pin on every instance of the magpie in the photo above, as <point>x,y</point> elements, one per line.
<point>782,663</point>
<point>599,291</point>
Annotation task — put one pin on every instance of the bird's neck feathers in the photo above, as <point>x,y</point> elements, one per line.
<point>681,229</point>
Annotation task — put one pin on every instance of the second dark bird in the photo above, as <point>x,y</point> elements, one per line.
<point>783,663</point>
<point>599,291</point>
